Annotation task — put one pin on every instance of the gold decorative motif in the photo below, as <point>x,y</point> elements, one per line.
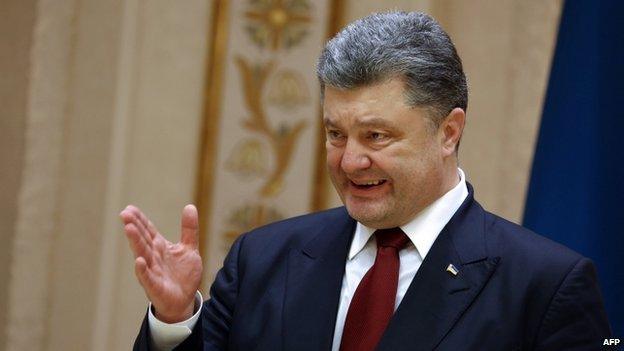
<point>248,159</point>
<point>288,90</point>
<point>264,35</point>
<point>282,139</point>
<point>211,113</point>
<point>320,182</point>
<point>278,23</point>
<point>248,217</point>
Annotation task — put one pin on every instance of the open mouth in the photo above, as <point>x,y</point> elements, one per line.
<point>368,184</point>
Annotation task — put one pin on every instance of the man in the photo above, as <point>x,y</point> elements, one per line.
<point>412,262</point>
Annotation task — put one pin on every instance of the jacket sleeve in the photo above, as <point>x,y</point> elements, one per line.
<point>213,327</point>
<point>576,317</point>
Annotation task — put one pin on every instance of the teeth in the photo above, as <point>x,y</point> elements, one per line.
<point>372,182</point>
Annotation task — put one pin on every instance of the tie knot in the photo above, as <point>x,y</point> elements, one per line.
<point>392,237</point>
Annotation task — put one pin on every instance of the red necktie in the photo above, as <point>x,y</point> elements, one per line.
<point>372,305</point>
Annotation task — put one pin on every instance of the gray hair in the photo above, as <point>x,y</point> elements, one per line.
<point>411,46</point>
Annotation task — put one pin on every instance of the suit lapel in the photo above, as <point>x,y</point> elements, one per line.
<point>313,286</point>
<point>436,299</point>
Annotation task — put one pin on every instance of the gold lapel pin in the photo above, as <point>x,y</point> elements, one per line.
<point>452,269</point>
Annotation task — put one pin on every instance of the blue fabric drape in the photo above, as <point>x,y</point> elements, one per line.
<point>576,191</point>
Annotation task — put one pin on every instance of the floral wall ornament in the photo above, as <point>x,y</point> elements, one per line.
<point>248,159</point>
<point>282,139</point>
<point>261,103</point>
<point>278,23</point>
<point>288,90</point>
<point>247,217</point>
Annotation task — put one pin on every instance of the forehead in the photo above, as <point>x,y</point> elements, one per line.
<point>378,105</point>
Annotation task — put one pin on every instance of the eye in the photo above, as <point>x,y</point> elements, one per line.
<point>377,136</point>
<point>333,134</point>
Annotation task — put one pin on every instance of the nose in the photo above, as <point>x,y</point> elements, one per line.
<point>354,158</point>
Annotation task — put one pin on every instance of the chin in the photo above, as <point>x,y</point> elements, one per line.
<point>370,216</point>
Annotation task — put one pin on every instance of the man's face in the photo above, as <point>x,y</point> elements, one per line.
<point>384,157</point>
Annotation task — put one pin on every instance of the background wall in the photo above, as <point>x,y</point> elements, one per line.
<point>101,106</point>
<point>15,42</point>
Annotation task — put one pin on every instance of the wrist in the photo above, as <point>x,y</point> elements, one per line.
<point>177,316</point>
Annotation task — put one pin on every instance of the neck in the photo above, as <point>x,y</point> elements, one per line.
<point>450,178</point>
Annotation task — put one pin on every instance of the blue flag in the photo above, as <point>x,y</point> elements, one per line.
<point>576,192</point>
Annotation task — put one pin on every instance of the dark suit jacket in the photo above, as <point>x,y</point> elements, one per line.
<point>280,285</point>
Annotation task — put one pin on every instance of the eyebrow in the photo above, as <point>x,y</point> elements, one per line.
<point>365,122</point>
<point>327,122</point>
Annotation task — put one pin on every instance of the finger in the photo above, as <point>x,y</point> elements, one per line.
<point>143,231</point>
<point>144,275</point>
<point>147,224</point>
<point>151,228</point>
<point>190,225</point>
<point>131,214</point>
<point>135,239</point>
<point>126,215</point>
<point>137,243</point>
<point>160,247</point>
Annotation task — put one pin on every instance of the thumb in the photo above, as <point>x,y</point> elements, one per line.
<point>189,224</point>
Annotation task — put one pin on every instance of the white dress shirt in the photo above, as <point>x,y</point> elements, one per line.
<point>422,232</point>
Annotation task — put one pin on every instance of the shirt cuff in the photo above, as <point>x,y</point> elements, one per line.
<point>165,336</point>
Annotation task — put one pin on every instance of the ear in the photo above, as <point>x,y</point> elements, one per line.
<point>451,130</point>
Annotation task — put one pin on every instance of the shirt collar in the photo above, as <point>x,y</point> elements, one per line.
<point>426,226</point>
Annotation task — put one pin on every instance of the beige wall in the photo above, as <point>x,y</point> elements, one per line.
<point>101,106</point>
<point>15,33</point>
<point>108,104</point>
<point>506,47</point>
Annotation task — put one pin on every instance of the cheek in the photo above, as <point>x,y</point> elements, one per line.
<point>405,170</point>
<point>334,157</point>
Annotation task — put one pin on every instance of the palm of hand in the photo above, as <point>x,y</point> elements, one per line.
<point>170,273</point>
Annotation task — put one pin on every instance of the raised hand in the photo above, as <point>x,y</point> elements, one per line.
<point>170,273</point>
